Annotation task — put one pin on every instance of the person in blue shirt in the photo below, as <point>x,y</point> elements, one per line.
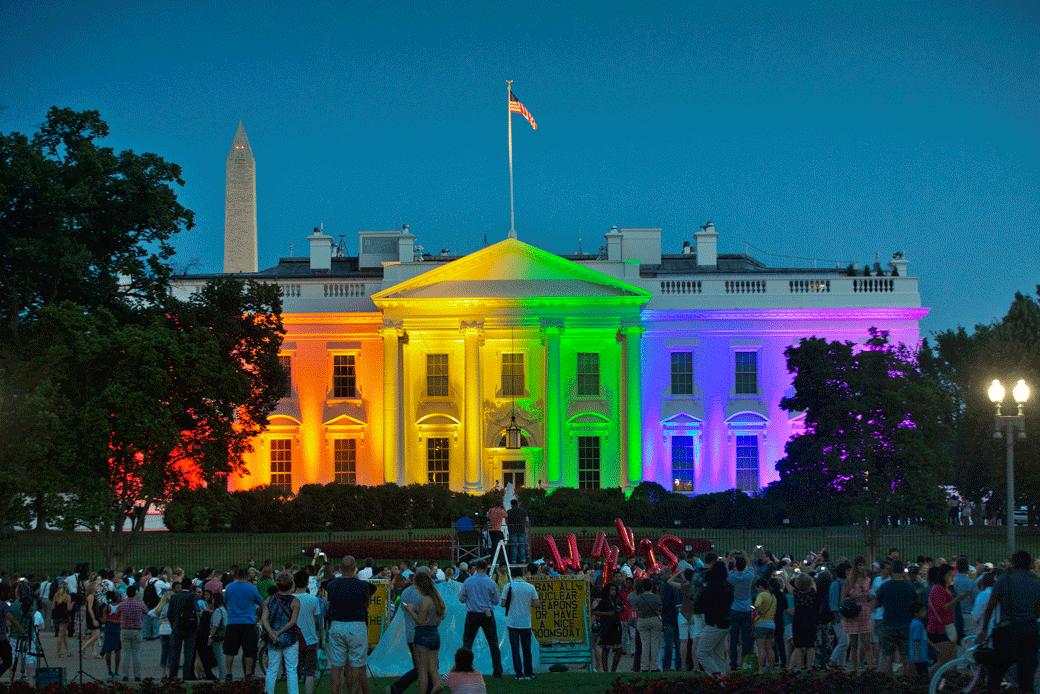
<point>480,595</point>
<point>740,613</point>
<point>918,639</point>
<point>242,599</point>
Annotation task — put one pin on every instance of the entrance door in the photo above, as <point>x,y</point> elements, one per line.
<point>513,471</point>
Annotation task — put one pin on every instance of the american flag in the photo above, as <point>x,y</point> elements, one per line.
<point>516,107</point>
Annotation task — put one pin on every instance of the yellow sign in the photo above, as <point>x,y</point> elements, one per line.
<point>377,610</point>
<point>560,617</point>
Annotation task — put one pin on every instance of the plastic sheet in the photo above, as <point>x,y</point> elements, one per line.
<point>391,657</point>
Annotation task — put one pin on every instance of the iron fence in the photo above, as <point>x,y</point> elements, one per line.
<point>52,552</point>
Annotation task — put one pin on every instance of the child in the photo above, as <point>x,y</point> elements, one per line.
<point>463,679</point>
<point>918,640</point>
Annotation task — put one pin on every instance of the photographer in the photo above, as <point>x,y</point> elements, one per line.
<point>7,622</point>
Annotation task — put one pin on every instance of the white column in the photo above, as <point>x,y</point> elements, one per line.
<point>553,408</point>
<point>633,406</point>
<point>391,335</point>
<point>473,424</point>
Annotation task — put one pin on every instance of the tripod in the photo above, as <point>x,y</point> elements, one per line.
<point>81,624</point>
<point>29,643</point>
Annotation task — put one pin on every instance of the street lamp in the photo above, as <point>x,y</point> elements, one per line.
<point>1011,423</point>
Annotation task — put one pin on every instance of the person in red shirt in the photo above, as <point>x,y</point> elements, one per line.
<point>495,516</point>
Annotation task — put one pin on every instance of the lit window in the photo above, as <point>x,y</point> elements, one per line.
<point>437,461</point>
<point>437,375</point>
<point>682,373</point>
<point>286,361</point>
<point>746,373</point>
<point>512,375</point>
<point>588,462</point>
<point>345,461</point>
<point>344,377</point>
<point>747,463</point>
<point>588,374</point>
<point>281,464</point>
<point>683,464</point>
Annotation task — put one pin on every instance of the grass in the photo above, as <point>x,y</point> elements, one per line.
<point>52,551</point>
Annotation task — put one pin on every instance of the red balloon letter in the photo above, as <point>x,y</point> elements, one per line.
<point>673,561</point>
<point>575,559</point>
<point>600,545</point>
<point>628,540</point>
<point>646,548</point>
<point>554,553</point>
<point>610,558</point>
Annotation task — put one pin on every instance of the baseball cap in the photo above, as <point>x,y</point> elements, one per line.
<point>988,566</point>
<point>913,568</point>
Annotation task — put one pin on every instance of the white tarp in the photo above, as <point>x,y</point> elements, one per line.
<point>391,657</point>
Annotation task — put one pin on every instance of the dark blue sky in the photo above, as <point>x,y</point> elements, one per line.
<point>827,130</point>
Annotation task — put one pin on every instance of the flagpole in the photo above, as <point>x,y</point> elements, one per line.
<point>509,119</point>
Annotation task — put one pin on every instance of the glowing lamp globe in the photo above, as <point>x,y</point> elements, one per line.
<point>996,391</point>
<point>1021,391</point>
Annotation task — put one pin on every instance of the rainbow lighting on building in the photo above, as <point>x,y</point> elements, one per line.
<point>619,367</point>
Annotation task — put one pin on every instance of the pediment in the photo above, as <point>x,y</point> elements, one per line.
<point>512,271</point>
<point>682,420</point>
<point>349,411</point>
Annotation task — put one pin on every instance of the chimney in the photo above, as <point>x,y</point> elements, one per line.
<point>707,246</point>
<point>321,250</point>
<point>687,249</point>
<point>406,246</point>
<point>900,265</point>
<point>613,244</point>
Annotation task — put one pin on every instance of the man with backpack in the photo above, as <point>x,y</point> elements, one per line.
<point>184,621</point>
<point>150,596</point>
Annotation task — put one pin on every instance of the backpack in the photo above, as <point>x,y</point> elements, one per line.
<point>150,596</point>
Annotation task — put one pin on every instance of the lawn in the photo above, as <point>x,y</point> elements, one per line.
<point>52,551</point>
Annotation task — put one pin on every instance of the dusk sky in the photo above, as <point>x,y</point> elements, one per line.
<point>819,130</point>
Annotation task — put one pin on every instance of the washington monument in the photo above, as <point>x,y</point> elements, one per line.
<point>240,207</point>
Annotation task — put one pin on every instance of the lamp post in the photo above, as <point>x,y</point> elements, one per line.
<point>1011,424</point>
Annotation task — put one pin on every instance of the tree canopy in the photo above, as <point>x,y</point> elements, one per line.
<point>965,364</point>
<point>116,394</point>
<point>876,430</point>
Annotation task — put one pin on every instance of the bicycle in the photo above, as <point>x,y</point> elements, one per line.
<point>939,682</point>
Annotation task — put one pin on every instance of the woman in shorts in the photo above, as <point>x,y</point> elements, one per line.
<point>764,628</point>
<point>427,616</point>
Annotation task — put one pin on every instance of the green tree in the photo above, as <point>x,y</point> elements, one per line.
<point>965,364</point>
<point>876,428</point>
<point>119,394</point>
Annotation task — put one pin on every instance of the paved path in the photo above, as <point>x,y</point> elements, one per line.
<point>96,668</point>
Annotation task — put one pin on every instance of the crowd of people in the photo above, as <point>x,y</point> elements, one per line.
<point>717,614</point>
<point>739,611</point>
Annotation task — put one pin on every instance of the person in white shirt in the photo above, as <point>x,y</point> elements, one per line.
<point>366,573</point>
<point>519,597</point>
<point>309,622</point>
<point>879,613</point>
<point>435,573</point>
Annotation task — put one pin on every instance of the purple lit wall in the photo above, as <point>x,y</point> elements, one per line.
<point>716,414</point>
